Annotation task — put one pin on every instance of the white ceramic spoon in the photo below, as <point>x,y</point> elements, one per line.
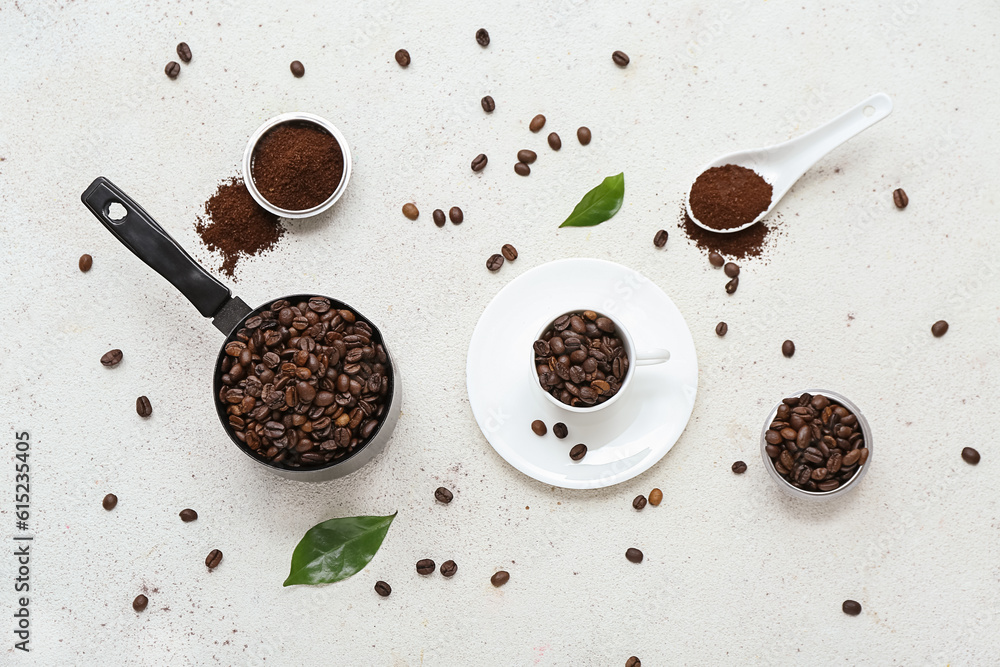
<point>783,164</point>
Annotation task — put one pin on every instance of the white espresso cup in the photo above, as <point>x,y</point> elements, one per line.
<point>635,358</point>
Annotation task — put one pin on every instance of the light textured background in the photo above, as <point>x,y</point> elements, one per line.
<point>734,572</point>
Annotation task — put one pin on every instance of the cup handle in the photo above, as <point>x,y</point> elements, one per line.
<point>651,357</point>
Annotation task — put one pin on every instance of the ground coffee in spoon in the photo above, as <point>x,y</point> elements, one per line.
<point>297,166</point>
<point>730,196</point>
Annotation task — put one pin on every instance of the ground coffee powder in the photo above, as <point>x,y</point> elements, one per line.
<point>751,242</point>
<point>297,166</point>
<point>729,196</point>
<point>236,226</point>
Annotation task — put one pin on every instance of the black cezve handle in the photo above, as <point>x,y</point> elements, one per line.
<point>146,239</point>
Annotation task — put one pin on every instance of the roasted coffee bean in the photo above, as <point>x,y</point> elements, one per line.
<point>403,58</point>
<point>660,238</point>
<point>639,502</point>
<point>733,285</point>
<point>537,123</point>
<point>494,262</point>
<point>213,559</point>
<point>739,467</point>
<point>655,497</point>
<point>715,259</point>
<point>578,452</point>
<point>298,69</point>
<point>383,588</point>
<point>189,515</point>
<point>634,555</point>
<point>86,261</point>
<point>555,143</point>
<point>439,217</point>
<point>521,169</point>
<point>425,566</point>
<point>455,215</point>
<point>143,407</point>
<point>509,252</point>
<point>449,568</point>
<point>850,607</point>
<point>939,328</point>
<point>969,455</point>
<point>899,198</point>
<point>140,602</point>
<point>172,69</point>
<point>184,52</point>
<point>112,358</point>
<point>730,269</point>
<point>482,37</point>
<point>850,458</point>
<point>788,348</point>
<point>721,329</point>
<point>110,502</point>
<point>526,156</point>
<point>538,426</point>
<point>500,578</point>
<point>443,495</point>
<point>633,662</point>
<point>559,430</point>
<point>488,104</point>
<point>479,162</point>
<point>411,211</point>
<point>583,135</point>
<point>620,58</point>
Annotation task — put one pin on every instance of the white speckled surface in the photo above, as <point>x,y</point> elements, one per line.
<point>735,573</point>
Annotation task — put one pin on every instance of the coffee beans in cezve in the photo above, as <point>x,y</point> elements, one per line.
<point>86,261</point>
<point>411,211</point>
<point>899,198</point>
<point>521,169</point>
<point>639,502</point>
<point>578,452</point>
<point>479,162</point>
<point>509,252</point>
<point>488,104</point>
<point>939,328</point>
<point>383,589</point>
<point>482,37</point>
<point>633,555</point>
<point>188,515</point>
<point>213,559</point>
<point>970,456</point>
<point>112,358</point>
<point>110,502</point>
<point>403,58</point>
<point>559,430</point>
<point>172,69</point>
<point>439,217</point>
<point>304,383</point>
<point>538,427</point>
<point>184,52</point>
<point>537,123</point>
<point>815,443</point>
<point>143,407</point>
<point>555,143</point>
<point>298,69</point>
<point>455,215</point>
<point>583,135</point>
<point>580,359</point>
<point>620,58</point>
<point>140,602</point>
<point>443,495</point>
<point>660,238</point>
<point>425,566</point>
<point>500,578</point>
<point>526,156</point>
<point>788,348</point>
<point>494,262</point>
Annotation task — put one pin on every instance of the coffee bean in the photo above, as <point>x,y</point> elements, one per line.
<point>521,169</point>
<point>969,455</point>
<point>851,608</point>
<point>655,497</point>
<point>583,135</point>
<point>899,198</point>
<point>411,211</point>
<point>494,262</point>
<point>449,568</point>
<point>555,143</point>
<point>112,358</point>
<point>455,215</point>
<point>639,502</point>
<point>559,430</point>
<point>425,566</point>
<point>184,52</point>
<point>443,495</point>
<point>578,452</point>
<point>721,329</point>
<point>633,662</point>
<point>403,58</point>
<point>788,348</point>
<point>187,516</point>
<point>298,69</point>
<point>537,123</point>
<point>526,156</point>
<point>660,238</point>
<point>620,58</point>
<point>213,559</point>
<point>739,467</point>
<point>732,270</point>
<point>140,602</point>
<point>634,555</point>
<point>732,285</point>
<point>500,578</point>
<point>509,252</point>
<point>383,588</point>
<point>143,407</point>
<point>939,328</point>
<point>86,261</point>
<point>111,501</point>
<point>715,259</point>
<point>439,217</point>
<point>172,69</point>
<point>479,162</point>
<point>482,37</point>
<point>488,104</point>
<point>538,426</point>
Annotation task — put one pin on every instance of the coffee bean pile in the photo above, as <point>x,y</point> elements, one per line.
<point>304,384</point>
<point>815,443</point>
<point>580,359</point>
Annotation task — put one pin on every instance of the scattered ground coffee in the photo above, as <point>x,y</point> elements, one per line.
<point>297,166</point>
<point>751,242</point>
<point>236,226</point>
<point>730,196</point>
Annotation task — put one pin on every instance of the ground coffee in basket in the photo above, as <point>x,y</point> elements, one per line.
<point>236,226</point>
<point>297,166</point>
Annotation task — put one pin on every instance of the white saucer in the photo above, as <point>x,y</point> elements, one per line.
<point>623,440</point>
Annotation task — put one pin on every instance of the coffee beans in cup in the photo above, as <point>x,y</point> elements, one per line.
<point>580,359</point>
<point>304,384</point>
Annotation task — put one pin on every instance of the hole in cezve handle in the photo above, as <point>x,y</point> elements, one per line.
<point>116,212</point>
